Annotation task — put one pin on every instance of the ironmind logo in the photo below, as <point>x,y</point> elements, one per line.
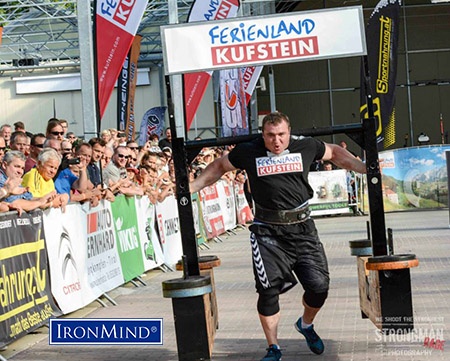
<point>288,163</point>
<point>95,331</point>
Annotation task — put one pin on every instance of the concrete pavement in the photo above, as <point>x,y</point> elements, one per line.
<point>346,335</point>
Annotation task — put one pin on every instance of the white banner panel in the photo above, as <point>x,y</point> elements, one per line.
<point>320,34</point>
<point>65,235</point>
<point>153,254</point>
<point>104,270</point>
<point>169,230</point>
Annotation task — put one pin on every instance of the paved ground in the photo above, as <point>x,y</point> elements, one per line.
<point>346,335</point>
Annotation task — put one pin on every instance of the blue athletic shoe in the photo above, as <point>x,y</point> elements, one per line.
<point>273,353</point>
<point>313,340</point>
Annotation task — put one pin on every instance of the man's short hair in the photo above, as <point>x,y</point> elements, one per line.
<point>95,140</point>
<point>19,125</point>
<point>13,154</point>
<point>275,118</point>
<point>35,136</point>
<point>17,134</point>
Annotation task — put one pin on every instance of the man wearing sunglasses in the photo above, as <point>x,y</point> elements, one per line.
<point>36,145</point>
<point>116,169</point>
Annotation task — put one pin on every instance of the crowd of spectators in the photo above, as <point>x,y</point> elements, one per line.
<point>52,169</point>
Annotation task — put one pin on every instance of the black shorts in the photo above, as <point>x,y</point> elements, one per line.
<point>279,252</point>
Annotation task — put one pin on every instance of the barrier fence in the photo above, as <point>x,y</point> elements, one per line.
<point>53,262</point>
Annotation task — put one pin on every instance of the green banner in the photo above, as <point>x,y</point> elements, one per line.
<point>127,235</point>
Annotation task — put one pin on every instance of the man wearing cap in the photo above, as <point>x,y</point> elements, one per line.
<point>284,238</point>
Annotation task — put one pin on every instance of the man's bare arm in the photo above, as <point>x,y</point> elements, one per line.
<point>343,158</point>
<point>212,173</point>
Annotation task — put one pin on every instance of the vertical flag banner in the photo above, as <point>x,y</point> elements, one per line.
<point>152,123</point>
<point>130,129</point>
<point>123,87</point>
<point>250,77</point>
<point>382,45</point>
<point>233,103</point>
<point>116,23</point>
<point>195,84</point>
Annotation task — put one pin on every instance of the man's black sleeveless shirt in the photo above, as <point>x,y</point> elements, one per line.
<point>281,181</point>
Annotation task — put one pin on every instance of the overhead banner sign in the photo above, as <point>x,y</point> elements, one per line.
<point>322,34</point>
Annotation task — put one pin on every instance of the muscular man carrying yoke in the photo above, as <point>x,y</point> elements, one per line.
<point>284,238</point>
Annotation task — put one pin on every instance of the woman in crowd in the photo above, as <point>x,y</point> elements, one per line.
<point>54,130</point>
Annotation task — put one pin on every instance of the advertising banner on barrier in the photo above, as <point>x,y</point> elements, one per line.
<point>268,39</point>
<point>169,230</point>
<point>227,204</point>
<point>414,177</point>
<point>330,192</point>
<point>26,302</point>
<point>212,213</point>
<point>152,251</point>
<point>198,220</point>
<point>127,235</point>
<point>66,246</point>
<point>243,212</point>
<point>103,263</point>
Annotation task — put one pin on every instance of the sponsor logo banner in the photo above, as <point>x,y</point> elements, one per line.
<point>26,302</point>
<point>106,331</point>
<point>262,40</point>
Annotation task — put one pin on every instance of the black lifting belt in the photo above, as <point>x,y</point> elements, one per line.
<point>291,216</point>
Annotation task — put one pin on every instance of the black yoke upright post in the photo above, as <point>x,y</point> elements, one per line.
<point>183,195</point>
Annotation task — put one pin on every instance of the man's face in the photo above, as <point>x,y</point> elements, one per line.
<point>120,158</point>
<point>97,152</point>
<point>106,157</point>
<point>55,144</point>
<point>20,144</point>
<point>85,153</point>
<point>6,133</point>
<point>134,147</point>
<point>276,137</point>
<point>48,169</point>
<point>2,147</point>
<point>168,135</point>
<point>37,148</point>
<point>14,169</point>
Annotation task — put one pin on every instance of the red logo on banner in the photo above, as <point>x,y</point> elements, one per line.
<point>123,11</point>
<point>268,50</point>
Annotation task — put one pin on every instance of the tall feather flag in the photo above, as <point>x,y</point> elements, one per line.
<point>115,25</point>
<point>382,46</point>
<point>195,84</point>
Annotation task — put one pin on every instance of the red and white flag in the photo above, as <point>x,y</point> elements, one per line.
<point>116,24</point>
<point>195,84</point>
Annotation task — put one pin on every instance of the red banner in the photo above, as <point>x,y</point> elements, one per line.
<point>195,84</point>
<point>116,24</point>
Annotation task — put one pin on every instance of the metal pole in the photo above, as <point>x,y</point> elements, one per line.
<point>273,106</point>
<point>330,96</point>
<point>408,87</point>
<point>88,96</point>
<point>176,81</point>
